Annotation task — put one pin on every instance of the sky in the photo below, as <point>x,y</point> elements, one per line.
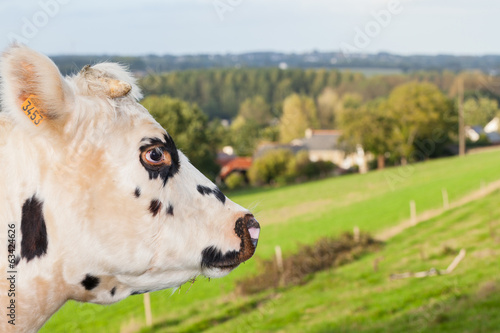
<point>140,27</point>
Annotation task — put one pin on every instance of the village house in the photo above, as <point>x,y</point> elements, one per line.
<point>490,131</point>
<point>325,145</point>
<point>321,145</point>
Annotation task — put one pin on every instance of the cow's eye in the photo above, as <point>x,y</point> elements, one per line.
<point>156,156</point>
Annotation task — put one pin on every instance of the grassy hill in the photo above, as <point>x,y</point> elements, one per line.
<point>352,298</point>
<point>356,298</point>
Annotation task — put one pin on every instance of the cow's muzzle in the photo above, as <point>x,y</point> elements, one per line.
<point>248,230</point>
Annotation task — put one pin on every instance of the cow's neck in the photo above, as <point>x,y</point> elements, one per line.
<point>36,291</point>
<point>37,279</point>
<point>37,297</point>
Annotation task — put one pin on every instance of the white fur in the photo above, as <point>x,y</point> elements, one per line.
<point>84,165</point>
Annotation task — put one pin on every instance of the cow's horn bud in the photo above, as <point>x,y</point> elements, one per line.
<point>116,88</point>
<point>99,83</point>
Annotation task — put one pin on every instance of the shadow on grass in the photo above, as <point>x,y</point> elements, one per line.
<point>223,315</point>
<point>162,325</point>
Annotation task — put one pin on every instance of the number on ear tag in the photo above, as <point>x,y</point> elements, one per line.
<point>31,110</point>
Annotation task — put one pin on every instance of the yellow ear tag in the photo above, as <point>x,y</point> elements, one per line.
<point>31,110</point>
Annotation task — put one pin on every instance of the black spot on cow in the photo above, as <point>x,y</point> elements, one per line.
<point>164,172</point>
<point>17,260</point>
<point>204,190</point>
<point>155,207</point>
<point>170,210</point>
<point>138,292</point>
<point>137,192</point>
<point>90,282</point>
<point>219,195</point>
<point>211,256</point>
<point>33,229</point>
<point>113,291</point>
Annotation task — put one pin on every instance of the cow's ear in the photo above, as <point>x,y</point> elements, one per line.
<point>33,88</point>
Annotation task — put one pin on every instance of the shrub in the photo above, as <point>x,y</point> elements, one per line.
<point>303,168</point>
<point>270,168</point>
<point>282,166</point>
<point>326,253</point>
<point>235,180</point>
<point>324,167</point>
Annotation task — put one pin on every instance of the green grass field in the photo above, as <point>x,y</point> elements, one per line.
<point>352,298</point>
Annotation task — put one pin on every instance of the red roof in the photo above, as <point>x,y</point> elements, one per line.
<point>237,164</point>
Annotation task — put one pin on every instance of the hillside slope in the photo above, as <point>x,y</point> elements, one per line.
<point>356,298</point>
<point>302,214</point>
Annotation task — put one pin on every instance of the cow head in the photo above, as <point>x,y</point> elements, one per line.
<point>106,200</point>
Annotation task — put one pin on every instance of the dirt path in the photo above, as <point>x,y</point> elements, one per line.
<point>393,231</point>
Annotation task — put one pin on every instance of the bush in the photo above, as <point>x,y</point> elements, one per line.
<point>270,168</point>
<point>298,165</point>
<point>282,166</point>
<point>324,168</point>
<point>235,180</point>
<point>324,254</point>
<point>303,168</point>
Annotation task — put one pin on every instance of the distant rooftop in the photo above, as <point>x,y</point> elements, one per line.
<point>268,146</point>
<point>320,139</point>
<point>239,164</point>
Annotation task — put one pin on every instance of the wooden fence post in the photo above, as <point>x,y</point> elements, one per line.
<point>413,212</point>
<point>446,203</point>
<point>279,262</point>
<point>357,234</point>
<point>147,310</point>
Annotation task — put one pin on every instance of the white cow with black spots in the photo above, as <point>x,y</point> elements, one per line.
<point>96,202</point>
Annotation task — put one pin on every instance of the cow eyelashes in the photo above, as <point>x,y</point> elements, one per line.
<point>156,157</point>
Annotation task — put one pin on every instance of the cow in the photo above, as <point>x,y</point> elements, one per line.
<point>96,201</point>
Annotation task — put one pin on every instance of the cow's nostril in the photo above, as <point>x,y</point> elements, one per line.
<point>254,230</point>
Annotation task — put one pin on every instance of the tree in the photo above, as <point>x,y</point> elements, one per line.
<point>351,100</point>
<point>329,104</point>
<point>187,124</point>
<point>299,114</point>
<point>220,92</point>
<point>251,124</point>
<point>228,96</point>
<point>218,134</point>
<point>421,113</point>
<point>479,111</point>
<point>257,110</point>
<point>368,125</point>
<point>245,135</point>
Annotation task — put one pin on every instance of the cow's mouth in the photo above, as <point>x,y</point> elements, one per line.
<point>248,230</point>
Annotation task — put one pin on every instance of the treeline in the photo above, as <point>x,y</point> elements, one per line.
<point>220,93</point>
<point>330,60</point>
<point>398,118</point>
